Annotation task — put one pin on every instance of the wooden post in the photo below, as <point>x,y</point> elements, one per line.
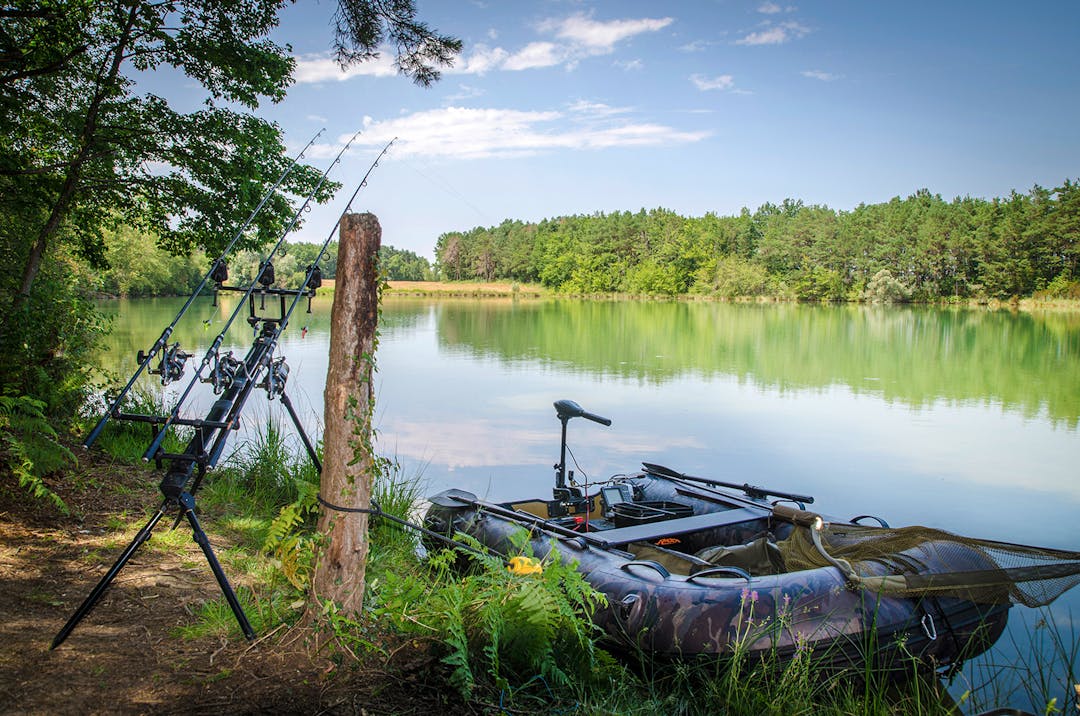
<point>347,440</point>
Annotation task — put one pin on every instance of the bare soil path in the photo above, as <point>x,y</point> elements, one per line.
<point>125,656</point>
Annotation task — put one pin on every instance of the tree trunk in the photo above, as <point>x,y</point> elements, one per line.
<point>88,137</point>
<point>348,459</point>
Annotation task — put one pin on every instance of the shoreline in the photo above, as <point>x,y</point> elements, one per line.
<point>496,289</point>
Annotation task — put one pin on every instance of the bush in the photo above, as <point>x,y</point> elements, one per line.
<point>820,284</point>
<point>29,448</point>
<point>1063,286</point>
<point>884,288</point>
<point>48,346</point>
<point>653,278</point>
<point>733,277</point>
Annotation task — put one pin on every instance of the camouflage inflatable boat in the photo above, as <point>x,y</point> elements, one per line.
<point>691,567</point>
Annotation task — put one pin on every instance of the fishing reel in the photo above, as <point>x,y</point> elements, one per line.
<point>266,279</point>
<point>275,379</point>
<point>227,372</point>
<point>171,365</point>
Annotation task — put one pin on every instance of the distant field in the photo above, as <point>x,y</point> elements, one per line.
<point>452,288</point>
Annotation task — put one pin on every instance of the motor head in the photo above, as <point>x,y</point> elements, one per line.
<point>567,409</point>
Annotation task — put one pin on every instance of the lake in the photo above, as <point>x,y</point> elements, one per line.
<point>961,419</point>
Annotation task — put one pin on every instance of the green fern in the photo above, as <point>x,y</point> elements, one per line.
<point>512,628</point>
<point>289,538</point>
<point>29,447</point>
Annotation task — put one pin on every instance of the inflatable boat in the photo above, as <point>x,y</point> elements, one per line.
<point>694,567</point>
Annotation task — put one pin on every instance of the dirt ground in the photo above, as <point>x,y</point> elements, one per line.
<point>125,657</point>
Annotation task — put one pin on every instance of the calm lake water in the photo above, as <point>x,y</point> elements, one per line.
<point>965,420</point>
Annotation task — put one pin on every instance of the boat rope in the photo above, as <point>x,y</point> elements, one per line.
<point>377,511</point>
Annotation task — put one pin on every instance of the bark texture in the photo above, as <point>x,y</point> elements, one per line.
<point>347,453</point>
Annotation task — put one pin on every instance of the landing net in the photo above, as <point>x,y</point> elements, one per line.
<point>920,561</point>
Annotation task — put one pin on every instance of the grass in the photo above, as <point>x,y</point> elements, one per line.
<point>128,440</point>
<point>527,644</point>
<point>466,289</point>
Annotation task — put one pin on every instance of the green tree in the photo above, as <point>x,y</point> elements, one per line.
<point>403,265</point>
<point>137,267</point>
<point>82,150</point>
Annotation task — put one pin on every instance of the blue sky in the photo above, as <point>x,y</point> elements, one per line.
<point>562,107</point>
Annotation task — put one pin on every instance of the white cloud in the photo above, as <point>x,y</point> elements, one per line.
<point>695,46</point>
<point>631,65</point>
<point>465,133</point>
<point>769,8</point>
<point>720,82</point>
<point>465,92</point>
<point>581,108</point>
<point>820,75</point>
<point>481,61</point>
<point>775,35</point>
<point>576,37</point>
<point>534,55</point>
<point>601,37</point>
<point>324,68</point>
<point>317,118</point>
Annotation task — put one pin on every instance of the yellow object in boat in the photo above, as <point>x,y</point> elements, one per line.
<point>524,565</point>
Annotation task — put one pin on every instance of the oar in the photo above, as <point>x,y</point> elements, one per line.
<point>750,490</point>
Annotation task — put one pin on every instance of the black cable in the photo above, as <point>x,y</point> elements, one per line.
<point>378,512</point>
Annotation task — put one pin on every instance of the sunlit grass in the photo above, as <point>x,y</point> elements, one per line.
<point>264,611</point>
<point>129,440</point>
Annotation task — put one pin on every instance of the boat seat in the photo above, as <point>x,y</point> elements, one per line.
<point>675,562</point>
<point>758,557</point>
<point>652,531</point>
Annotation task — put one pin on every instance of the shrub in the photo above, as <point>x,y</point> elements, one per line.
<point>732,277</point>
<point>29,447</point>
<point>884,288</point>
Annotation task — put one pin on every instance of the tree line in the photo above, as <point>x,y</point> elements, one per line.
<point>137,266</point>
<point>919,248</point>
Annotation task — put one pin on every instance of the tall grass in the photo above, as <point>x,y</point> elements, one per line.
<point>128,440</point>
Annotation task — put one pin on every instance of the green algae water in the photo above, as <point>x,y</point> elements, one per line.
<point>959,419</point>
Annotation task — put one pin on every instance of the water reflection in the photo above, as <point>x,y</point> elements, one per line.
<point>1024,362</point>
<point>957,419</point>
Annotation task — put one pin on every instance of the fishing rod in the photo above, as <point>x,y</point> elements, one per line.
<point>313,269</point>
<point>172,360</point>
<point>264,276</point>
<point>278,370</point>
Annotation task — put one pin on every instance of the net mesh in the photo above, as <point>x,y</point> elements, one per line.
<point>920,561</point>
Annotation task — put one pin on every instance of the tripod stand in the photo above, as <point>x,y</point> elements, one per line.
<point>211,431</point>
<point>185,501</point>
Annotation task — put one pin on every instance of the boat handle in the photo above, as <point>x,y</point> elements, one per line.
<point>717,571</point>
<point>659,568</point>
<point>883,523</point>
<point>802,505</point>
<point>929,628</point>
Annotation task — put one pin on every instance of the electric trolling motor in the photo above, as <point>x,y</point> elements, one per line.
<point>571,498</point>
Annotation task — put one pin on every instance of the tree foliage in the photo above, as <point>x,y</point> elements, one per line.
<point>361,26</point>
<point>930,249</point>
<point>403,265</point>
<point>86,153</point>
